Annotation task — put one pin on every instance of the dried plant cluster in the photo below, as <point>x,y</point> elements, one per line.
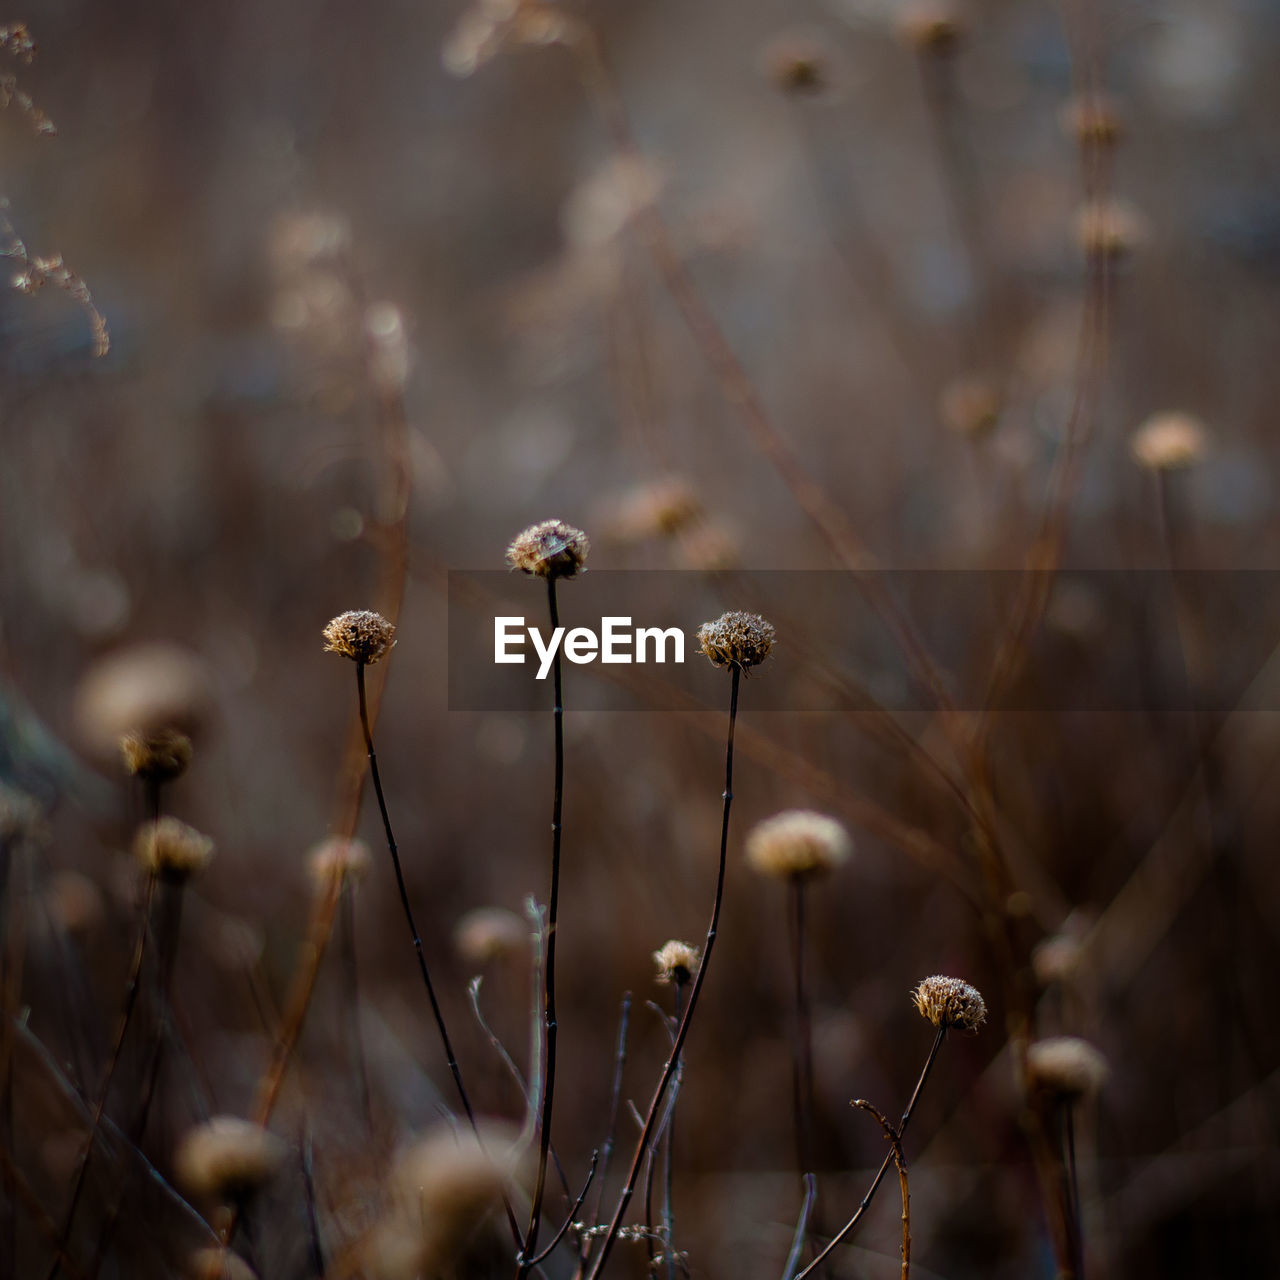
<point>920,285</point>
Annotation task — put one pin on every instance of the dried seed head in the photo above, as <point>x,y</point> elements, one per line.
<point>1109,229</point>
<point>338,858</point>
<point>949,1002</point>
<point>1055,960</point>
<point>970,406</point>
<point>227,1158</point>
<point>1169,442</point>
<point>798,64</point>
<point>1067,1067</point>
<point>797,843</point>
<point>677,962</point>
<point>443,1187</point>
<point>551,549</point>
<point>489,933</point>
<point>171,848</point>
<point>659,508</point>
<point>159,756</point>
<point>1091,119</point>
<point>736,639</point>
<point>361,635</point>
<point>148,689</point>
<point>931,26</point>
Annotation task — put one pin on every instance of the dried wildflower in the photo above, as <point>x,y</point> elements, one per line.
<point>361,635</point>
<point>1169,442</point>
<point>338,858</point>
<point>1092,121</point>
<point>442,1189</point>
<point>550,549</point>
<point>171,848</point>
<point>970,406</point>
<point>159,756</point>
<point>488,933</point>
<point>797,842</point>
<point>1055,959</point>
<point>149,689</point>
<point>949,1002</point>
<point>677,962</point>
<point>736,639</point>
<point>1067,1067</point>
<point>227,1158</point>
<point>1109,229</point>
<point>931,26</point>
<point>799,65</point>
<point>658,508</point>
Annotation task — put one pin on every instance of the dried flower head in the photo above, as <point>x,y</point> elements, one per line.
<point>797,842</point>
<point>1169,442</point>
<point>361,635</point>
<point>1091,119</point>
<point>798,64</point>
<point>931,26</point>
<point>551,549</point>
<point>1055,959</point>
<point>338,858</point>
<point>158,756</point>
<point>171,848</point>
<point>658,508</point>
<point>1109,229</point>
<point>677,962</point>
<point>1066,1066</point>
<point>148,689</point>
<point>443,1187</point>
<point>949,1002</point>
<point>227,1158</point>
<point>488,933</point>
<point>736,639</point>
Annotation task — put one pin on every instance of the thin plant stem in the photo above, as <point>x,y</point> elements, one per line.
<point>903,1186</point>
<point>549,970</point>
<point>133,985</point>
<point>802,1060</point>
<point>669,1070</point>
<point>404,902</point>
<point>615,1100</point>
<point>1073,1185</point>
<point>347,941</point>
<point>572,1214</point>
<point>802,1226</point>
<point>888,1160</point>
<point>668,1141</point>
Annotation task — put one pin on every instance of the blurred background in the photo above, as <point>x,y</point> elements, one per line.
<point>732,287</point>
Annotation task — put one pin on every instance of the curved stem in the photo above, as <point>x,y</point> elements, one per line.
<point>888,1160</point>
<point>669,1070</point>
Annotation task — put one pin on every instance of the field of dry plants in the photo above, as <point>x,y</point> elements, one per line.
<point>918,362</point>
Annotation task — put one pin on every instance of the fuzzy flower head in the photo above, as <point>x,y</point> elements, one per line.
<point>736,639</point>
<point>156,757</point>
<point>337,858</point>
<point>949,1002</point>
<point>1169,442</point>
<point>1066,1066</point>
<point>172,849</point>
<point>551,549</point>
<point>677,962</point>
<point>227,1158</point>
<point>361,635</point>
<point>797,843</point>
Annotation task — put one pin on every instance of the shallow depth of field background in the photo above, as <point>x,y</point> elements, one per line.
<point>213,482</point>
